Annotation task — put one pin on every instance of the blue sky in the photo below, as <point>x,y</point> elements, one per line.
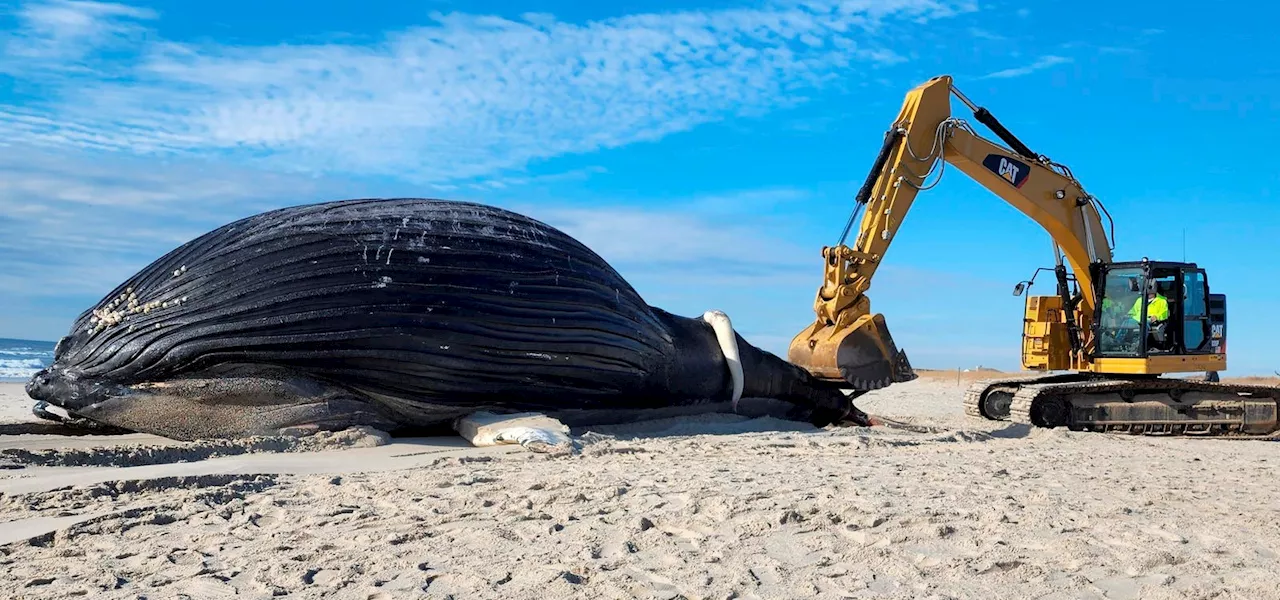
<point>708,150</point>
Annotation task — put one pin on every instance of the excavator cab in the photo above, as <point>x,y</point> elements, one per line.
<point>1156,309</point>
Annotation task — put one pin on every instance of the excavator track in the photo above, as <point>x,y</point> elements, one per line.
<point>1157,406</point>
<point>991,398</point>
<point>973,402</point>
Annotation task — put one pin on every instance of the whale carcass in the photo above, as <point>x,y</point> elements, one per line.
<point>396,314</point>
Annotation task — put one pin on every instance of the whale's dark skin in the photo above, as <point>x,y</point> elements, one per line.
<point>397,314</point>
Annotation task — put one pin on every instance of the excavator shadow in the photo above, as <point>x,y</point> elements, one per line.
<point>1012,431</point>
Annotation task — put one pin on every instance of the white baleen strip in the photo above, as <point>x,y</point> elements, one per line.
<point>729,346</point>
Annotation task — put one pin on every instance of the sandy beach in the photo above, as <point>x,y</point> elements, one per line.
<point>933,505</point>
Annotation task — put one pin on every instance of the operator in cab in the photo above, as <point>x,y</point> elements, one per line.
<point>1114,315</point>
<point>1157,306</point>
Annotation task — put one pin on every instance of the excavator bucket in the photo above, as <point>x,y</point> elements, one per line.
<point>861,356</point>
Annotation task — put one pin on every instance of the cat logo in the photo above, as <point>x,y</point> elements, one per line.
<point>1013,171</point>
<point>1216,331</point>
<point>1008,170</point>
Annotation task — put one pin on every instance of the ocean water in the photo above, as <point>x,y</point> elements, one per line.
<point>20,359</point>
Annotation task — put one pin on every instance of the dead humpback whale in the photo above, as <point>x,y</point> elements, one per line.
<point>397,314</point>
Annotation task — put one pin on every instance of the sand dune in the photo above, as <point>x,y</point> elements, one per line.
<point>932,506</point>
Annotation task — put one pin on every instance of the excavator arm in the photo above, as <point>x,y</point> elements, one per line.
<point>849,344</point>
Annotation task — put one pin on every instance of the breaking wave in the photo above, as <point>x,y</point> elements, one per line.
<point>20,368</point>
<point>20,359</point>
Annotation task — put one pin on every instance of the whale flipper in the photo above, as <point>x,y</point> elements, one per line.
<point>535,431</point>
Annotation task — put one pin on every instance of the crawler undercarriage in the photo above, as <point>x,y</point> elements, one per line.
<point>1138,405</point>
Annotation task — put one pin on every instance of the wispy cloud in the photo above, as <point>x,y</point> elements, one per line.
<point>113,183</point>
<point>463,96</point>
<point>676,236</point>
<point>983,34</point>
<point>1042,63</point>
<point>62,31</point>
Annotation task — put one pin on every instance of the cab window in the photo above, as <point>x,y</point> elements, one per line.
<point>1118,331</point>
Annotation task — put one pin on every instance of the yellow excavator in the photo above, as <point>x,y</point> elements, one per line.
<point>1099,345</point>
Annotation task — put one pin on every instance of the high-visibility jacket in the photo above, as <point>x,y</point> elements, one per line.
<point>1157,309</point>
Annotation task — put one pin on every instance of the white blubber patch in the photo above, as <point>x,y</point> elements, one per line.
<point>723,327</point>
<point>535,431</point>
